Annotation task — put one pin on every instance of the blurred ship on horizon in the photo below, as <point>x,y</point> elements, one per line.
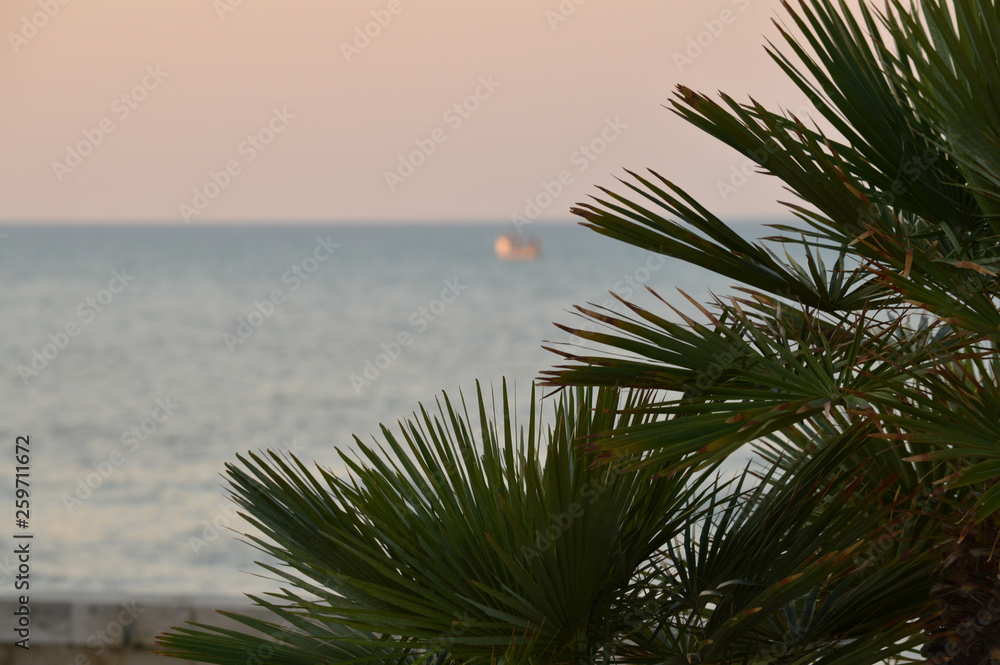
<point>511,248</point>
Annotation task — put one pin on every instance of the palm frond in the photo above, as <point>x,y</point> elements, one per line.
<point>438,542</point>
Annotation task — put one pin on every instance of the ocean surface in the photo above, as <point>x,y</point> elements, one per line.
<point>141,359</point>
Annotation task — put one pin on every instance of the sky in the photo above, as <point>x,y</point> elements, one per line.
<point>209,111</point>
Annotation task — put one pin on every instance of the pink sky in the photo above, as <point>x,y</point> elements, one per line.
<point>159,96</point>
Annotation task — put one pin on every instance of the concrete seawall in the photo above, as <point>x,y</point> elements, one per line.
<point>108,631</point>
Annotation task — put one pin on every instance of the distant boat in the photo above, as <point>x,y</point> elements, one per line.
<point>512,248</point>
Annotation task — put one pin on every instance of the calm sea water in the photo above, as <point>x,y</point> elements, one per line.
<point>141,360</point>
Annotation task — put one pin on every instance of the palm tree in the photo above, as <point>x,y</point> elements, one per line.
<point>890,355</point>
<point>445,547</point>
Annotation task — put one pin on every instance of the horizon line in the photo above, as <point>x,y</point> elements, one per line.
<point>6,223</point>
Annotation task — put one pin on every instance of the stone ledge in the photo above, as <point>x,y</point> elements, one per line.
<point>98,626</point>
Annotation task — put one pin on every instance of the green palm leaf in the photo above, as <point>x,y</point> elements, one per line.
<point>438,542</point>
<point>903,190</point>
<point>794,569</point>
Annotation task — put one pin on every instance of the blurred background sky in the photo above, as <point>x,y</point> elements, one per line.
<point>153,97</point>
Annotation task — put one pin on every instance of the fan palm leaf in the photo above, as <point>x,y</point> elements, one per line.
<point>886,334</point>
<point>440,542</point>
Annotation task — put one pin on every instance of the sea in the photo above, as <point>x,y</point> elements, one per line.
<point>140,359</point>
